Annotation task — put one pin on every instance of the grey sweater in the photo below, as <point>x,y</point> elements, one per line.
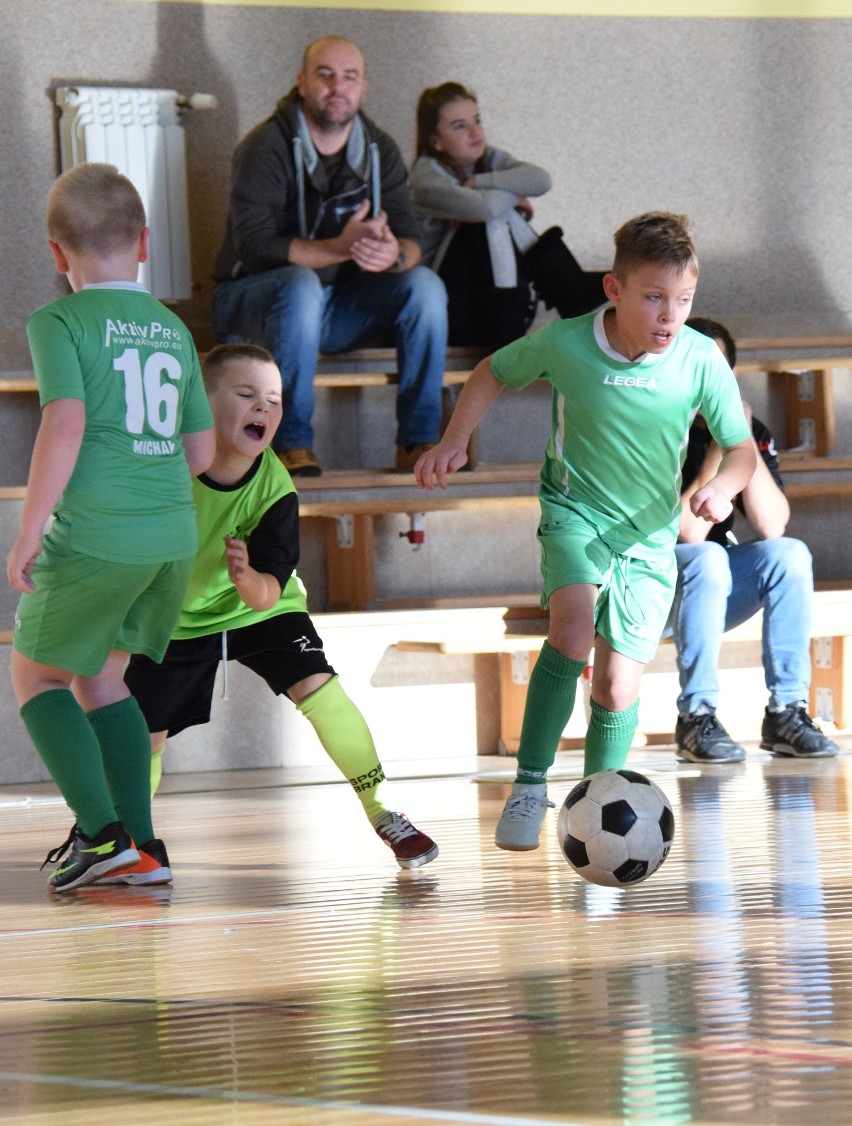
<point>441,203</point>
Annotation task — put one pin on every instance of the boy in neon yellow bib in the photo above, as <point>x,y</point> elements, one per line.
<point>244,585</point>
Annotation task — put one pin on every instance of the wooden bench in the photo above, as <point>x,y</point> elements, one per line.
<point>344,372</point>
<point>349,502</point>
<point>805,385</point>
<point>377,367</point>
<point>504,661</point>
<point>806,388</point>
<point>364,367</point>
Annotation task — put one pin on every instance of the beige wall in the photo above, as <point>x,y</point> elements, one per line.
<point>744,124</point>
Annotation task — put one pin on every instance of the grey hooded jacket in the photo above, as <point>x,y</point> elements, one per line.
<point>280,191</point>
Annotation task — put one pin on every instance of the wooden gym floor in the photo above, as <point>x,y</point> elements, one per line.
<point>294,975</point>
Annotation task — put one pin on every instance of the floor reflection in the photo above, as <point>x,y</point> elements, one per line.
<point>294,973</point>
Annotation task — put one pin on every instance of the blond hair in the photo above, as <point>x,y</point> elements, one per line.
<point>660,237</point>
<point>93,209</point>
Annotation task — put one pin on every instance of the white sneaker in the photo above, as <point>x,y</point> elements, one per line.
<point>522,817</point>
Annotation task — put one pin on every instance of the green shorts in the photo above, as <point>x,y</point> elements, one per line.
<point>83,608</point>
<point>634,594</point>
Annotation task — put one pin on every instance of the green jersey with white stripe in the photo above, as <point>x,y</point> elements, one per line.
<point>618,428</point>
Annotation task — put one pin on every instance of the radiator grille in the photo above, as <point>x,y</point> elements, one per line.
<point>139,131</point>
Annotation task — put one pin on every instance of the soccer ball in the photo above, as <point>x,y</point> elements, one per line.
<point>616,827</point>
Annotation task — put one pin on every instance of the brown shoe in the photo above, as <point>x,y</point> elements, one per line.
<point>407,456</point>
<point>300,462</point>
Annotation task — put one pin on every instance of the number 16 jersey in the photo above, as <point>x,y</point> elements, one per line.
<point>134,365</point>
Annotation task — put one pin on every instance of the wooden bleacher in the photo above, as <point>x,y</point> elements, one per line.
<point>351,506</point>
<point>806,385</point>
<point>349,502</point>
<point>366,367</point>
<point>806,388</point>
<point>505,658</point>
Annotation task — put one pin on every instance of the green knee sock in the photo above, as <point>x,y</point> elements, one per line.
<point>69,748</point>
<point>347,741</point>
<point>609,737</point>
<point>125,745</point>
<point>550,701</point>
<point>156,769</point>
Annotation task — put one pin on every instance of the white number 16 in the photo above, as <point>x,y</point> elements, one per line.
<point>147,394</point>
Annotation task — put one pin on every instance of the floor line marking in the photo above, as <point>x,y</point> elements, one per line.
<point>163,1089</point>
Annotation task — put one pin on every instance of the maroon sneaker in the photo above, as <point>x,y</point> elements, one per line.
<point>410,847</point>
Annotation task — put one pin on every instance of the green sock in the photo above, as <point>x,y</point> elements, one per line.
<point>156,769</point>
<point>68,747</point>
<point>347,741</point>
<point>550,701</point>
<point>125,744</point>
<point>609,737</point>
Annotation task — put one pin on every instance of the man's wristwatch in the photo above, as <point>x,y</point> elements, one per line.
<point>400,261</point>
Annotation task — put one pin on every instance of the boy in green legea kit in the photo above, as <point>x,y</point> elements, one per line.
<point>627,381</point>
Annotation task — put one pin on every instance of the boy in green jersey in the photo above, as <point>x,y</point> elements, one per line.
<point>627,382</point>
<point>125,422</point>
<point>246,600</point>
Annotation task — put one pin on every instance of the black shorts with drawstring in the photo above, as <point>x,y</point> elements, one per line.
<point>178,693</point>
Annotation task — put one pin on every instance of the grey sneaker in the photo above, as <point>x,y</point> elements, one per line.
<point>521,820</point>
<point>793,734</point>
<point>700,737</point>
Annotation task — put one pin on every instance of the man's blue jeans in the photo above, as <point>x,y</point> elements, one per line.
<point>293,314</point>
<point>720,587</point>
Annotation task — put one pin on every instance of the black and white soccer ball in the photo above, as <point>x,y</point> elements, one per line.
<point>616,827</point>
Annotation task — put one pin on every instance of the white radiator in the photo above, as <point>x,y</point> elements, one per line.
<point>140,132</point>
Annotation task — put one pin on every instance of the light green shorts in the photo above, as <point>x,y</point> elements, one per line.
<point>83,608</point>
<point>634,595</point>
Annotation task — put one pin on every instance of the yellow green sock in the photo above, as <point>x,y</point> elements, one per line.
<point>347,741</point>
<point>156,769</point>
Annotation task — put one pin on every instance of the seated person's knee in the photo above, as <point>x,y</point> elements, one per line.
<point>427,289</point>
<point>302,289</point>
<point>793,555</point>
<point>705,562</point>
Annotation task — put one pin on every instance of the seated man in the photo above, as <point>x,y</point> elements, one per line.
<point>722,583</point>
<point>321,252</point>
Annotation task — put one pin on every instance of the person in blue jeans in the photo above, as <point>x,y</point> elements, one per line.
<point>722,583</point>
<point>322,253</point>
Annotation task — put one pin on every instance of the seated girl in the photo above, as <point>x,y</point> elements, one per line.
<point>473,204</point>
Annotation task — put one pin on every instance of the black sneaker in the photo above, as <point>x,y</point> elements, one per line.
<point>701,738</point>
<point>90,859</point>
<point>793,734</point>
